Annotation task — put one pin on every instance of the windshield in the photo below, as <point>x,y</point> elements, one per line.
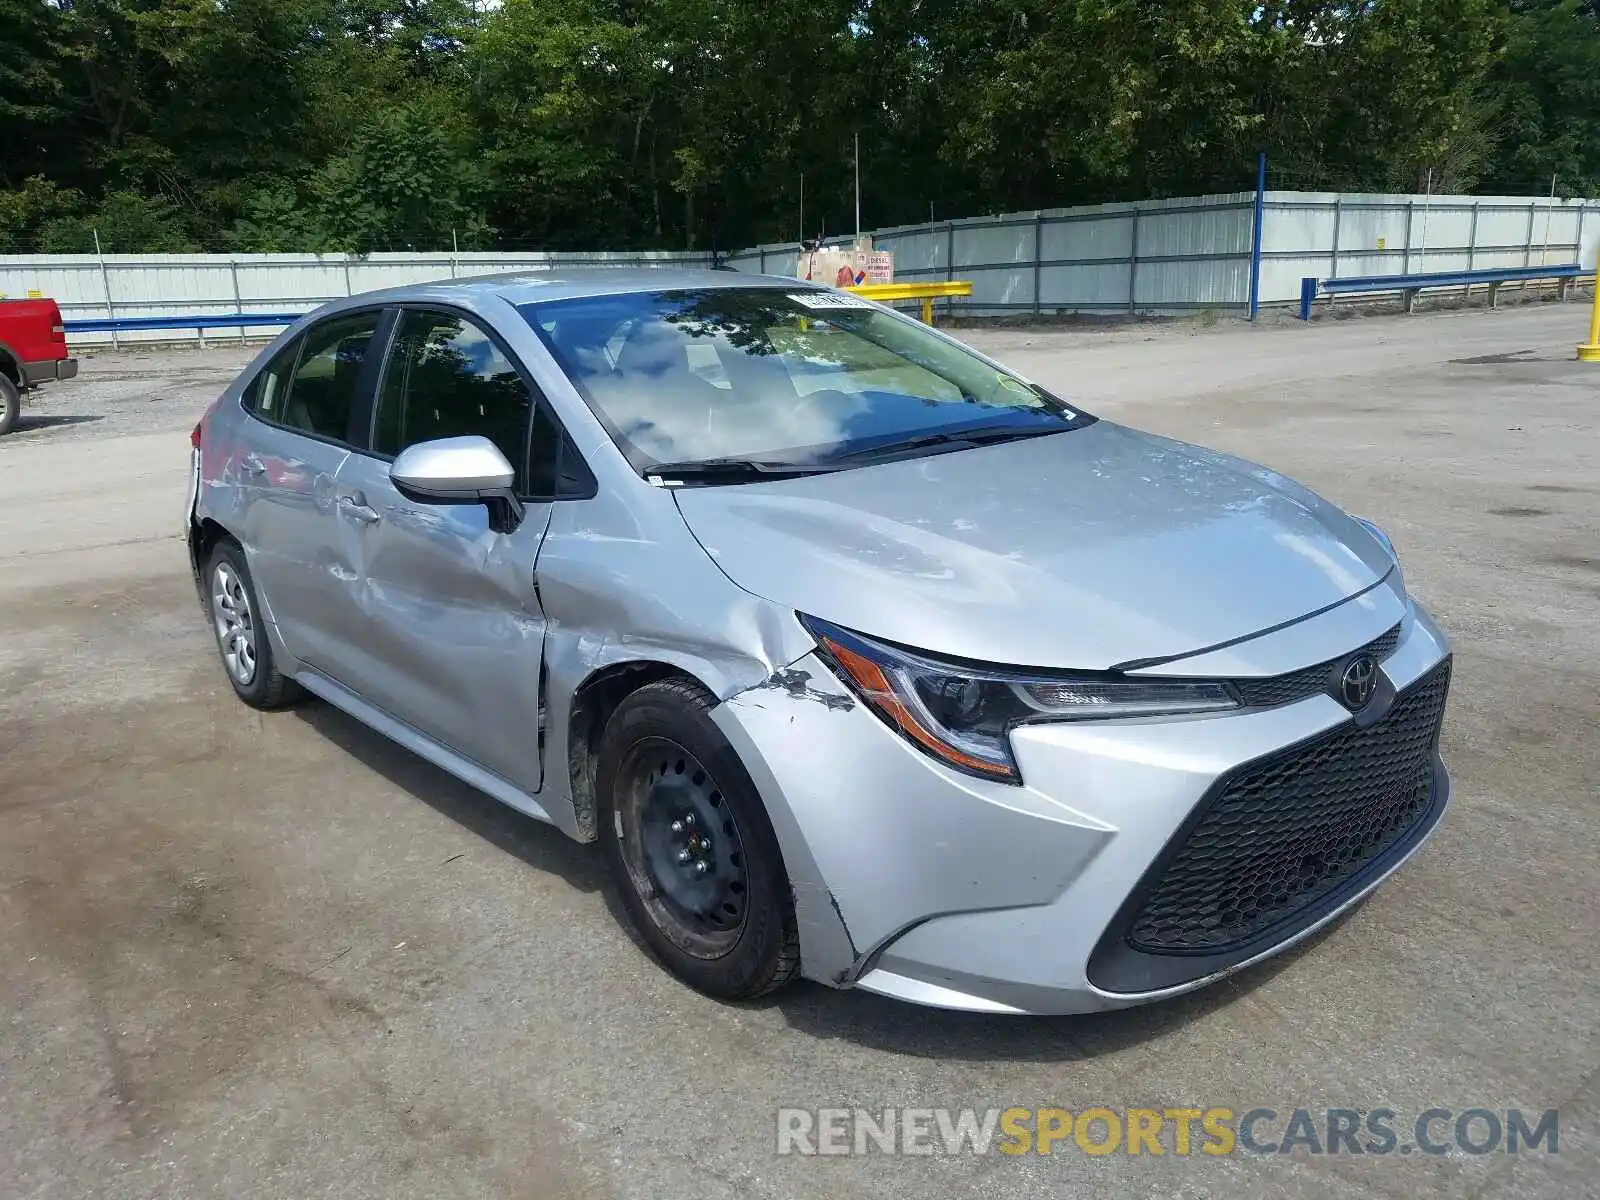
<point>779,378</point>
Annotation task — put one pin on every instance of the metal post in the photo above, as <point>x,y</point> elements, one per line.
<point>1427,208</point>
<point>105,282</point>
<point>1133,266</point>
<point>1338,220</point>
<point>1405,257</point>
<point>949,261</point>
<point>455,250</point>
<point>1527,242</point>
<point>763,251</point>
<point>1038,260</point>
<point>1583,211</point>
<point>1255,240</point>
<point>1338,217</point>
<point>858,185</point>
<point>1549,214</point>
<point>238,304</point>
<point>1472,249</point>
<point>1590,350</point>
<point>1308,296</point>
<point>347,290</point>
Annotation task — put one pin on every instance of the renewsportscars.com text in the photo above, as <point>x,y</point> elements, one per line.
<point>1182,1132</point>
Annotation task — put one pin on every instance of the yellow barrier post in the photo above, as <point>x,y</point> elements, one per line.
<point>927,293</point>
<point>1590,350</point>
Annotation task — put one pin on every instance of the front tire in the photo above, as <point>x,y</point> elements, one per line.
<point>690,846</point>
<point>10,405</point>
<point>241,636</point>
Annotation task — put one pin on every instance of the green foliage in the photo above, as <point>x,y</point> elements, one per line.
<point>126,222</point>
<point>404,183</point>
<point>275,222</point>
<point>1549,79</point>
<point>367,125</point>
<point>29,208</point>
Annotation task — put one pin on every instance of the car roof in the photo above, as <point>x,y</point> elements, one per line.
<point>566,283</point>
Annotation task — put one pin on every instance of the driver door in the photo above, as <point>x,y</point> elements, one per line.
<point>452,634</point>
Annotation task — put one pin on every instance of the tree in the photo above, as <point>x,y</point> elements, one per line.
<point>33,102</point>
<point>368,124</point>
<point>1549,79</point>
<point>123,223</point>
<point>38,203</point>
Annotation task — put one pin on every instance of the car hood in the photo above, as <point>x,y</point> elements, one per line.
<point>1088,549</point>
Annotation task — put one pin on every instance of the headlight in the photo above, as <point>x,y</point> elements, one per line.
<point>963,714</point>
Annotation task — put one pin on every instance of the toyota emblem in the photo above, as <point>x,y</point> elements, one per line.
<point>1357,681</point>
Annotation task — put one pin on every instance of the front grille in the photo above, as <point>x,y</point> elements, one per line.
<point>1310,681</point>
<point>1283,832</point>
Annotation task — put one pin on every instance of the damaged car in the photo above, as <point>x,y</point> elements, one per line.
<point>864,658</point>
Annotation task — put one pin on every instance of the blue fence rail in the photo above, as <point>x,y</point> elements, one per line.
<point>1409,285</point>
<point>197,322</point>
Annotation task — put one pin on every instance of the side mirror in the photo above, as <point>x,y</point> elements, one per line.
<point>460,470</point>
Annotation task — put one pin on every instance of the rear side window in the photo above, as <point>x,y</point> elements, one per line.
<point>327,376</point>
<point>312,383</point>
<point>446,378</point>
<point>270,388</point>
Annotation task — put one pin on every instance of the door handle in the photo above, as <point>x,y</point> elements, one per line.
<point>358,510</point>
<point>253,465</point>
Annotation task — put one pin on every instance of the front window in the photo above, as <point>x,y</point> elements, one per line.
<point>777,378</point>
<point>446,378</point>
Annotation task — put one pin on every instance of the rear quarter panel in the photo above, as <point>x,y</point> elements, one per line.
<point>27,332</point>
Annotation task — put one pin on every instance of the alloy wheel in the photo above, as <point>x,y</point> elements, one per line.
<point>236,628</point>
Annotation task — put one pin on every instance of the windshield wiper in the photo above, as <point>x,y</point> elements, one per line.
<point>951,437</point>
<point>729,470</point>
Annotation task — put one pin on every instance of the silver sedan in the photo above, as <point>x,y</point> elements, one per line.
<point>863,657</point>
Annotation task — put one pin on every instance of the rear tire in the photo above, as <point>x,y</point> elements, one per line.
<point>10,405</point>
<point>690,846</point>
<point>242,640</point>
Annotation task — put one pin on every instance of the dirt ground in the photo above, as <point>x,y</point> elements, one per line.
<point>253,955</point>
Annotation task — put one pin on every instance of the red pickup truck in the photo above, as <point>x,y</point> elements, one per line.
<point>33,350</point>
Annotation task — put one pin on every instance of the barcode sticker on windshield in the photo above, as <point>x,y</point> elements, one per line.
<point>821,299</point>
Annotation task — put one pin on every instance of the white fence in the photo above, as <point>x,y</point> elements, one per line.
<point>223,285</point>
<point>1166,256</point>
<point>1158,256</point>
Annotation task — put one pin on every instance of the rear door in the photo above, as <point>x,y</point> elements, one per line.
<point>451,633</point>
<point>306,403</point>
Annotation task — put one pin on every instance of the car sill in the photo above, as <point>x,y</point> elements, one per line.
<point>404,735</point>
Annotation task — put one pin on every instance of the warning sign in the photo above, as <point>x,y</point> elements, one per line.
<point>845,266</point>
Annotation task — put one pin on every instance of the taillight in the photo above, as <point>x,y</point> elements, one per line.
<point>59,330</point>
<point>194,435</point>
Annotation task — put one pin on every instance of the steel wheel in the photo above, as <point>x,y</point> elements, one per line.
<point>682,848</point>
<point>236,628</point>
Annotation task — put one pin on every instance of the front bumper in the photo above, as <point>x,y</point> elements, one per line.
<point>49,370</point>
<point>918,882</point>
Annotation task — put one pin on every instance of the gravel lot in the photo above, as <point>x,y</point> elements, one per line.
<point>275,956</point>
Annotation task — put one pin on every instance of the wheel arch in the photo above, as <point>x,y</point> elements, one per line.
<point>827,951</point>
<point>593,702</point>
<point>11,367</point>
<point>204,535</point>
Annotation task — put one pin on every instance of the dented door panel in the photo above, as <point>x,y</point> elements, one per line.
<point>451,631</point>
